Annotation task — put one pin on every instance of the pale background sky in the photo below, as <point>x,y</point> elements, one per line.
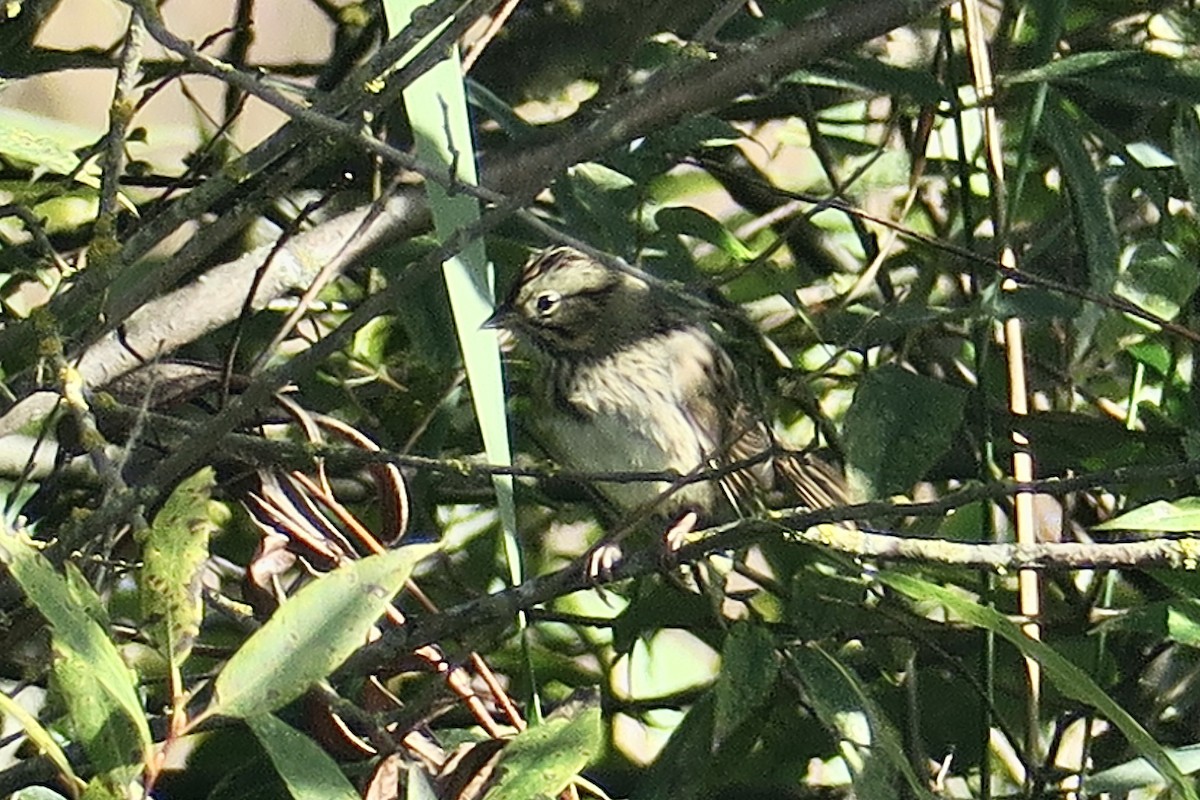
<point>286,31</point>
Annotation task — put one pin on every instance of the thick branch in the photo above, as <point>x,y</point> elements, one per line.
<point>164,325</point>
<point>1181,553</point>
<point>839,27</point>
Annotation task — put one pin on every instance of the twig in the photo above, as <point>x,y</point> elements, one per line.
<point>120,115</point>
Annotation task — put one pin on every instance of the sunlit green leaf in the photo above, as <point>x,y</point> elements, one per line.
<point>40,142</point>
<point>542,760</point>
<point>1169,516</point>
<point>436,104</point>
<point>174,552</point>
<point>1158,278</point>
<point>98,684</point>
<point>311,634</point>
<point>305,768</point>
<point>110,737</point>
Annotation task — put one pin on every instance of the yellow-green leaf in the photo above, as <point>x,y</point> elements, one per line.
<point>77,638</point>
<point>174,551</point>
<point>544,759</point>
<point>311,634</point>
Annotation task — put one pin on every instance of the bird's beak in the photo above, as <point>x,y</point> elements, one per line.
<point>500,318</point>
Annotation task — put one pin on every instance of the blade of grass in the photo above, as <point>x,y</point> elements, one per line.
<point>43,740</point>
<point>437,112</point>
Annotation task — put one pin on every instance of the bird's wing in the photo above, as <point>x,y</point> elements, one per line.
<point>712,399</point>
<point>797,476</point>
<point>811,480</point>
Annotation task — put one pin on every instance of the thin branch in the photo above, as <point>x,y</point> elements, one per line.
<point>798,525</point>
<point>120,114</point>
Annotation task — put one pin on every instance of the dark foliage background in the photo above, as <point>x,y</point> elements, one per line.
<point>237,418</point>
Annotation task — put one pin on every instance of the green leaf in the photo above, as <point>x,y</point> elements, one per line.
<point>1183,622</point>
<point>1074,66</point>
<point>871,74</point>
<point>1066,677</point>
<point>660,150</point>
<point>898,426</point>
<point>109,692</point>
<point>1185,141</point>
<point>1149,156</point>
<point>306,769</point>
<point>1155,355</point>
<point>688,221</point>
<point>544,759</point>
<point>1090,211</point>
<point>749,667</point>
<point>845,707</point>
<point>311,634</point>
<point>598,204</point>
<point>436,103</point>
<point>104,787</point>
<point>1140,774</point>
<point>174,552</point>
<point>371,341</point>
<point>48,145</point>
<point>1177,619</point>
<point>1167,516</point>
<point>1132,76</point>
<point>44,144</point>
<point>110,738</point>
<point>1028,303</point>
<point>83,595</point>
<point>1157,278</point>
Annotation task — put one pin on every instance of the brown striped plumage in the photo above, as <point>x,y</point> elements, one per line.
<point>634,382</point>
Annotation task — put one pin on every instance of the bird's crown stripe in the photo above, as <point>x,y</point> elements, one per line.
<point>547,261</point>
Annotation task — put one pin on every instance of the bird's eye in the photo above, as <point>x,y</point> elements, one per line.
<point>546,303</point>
